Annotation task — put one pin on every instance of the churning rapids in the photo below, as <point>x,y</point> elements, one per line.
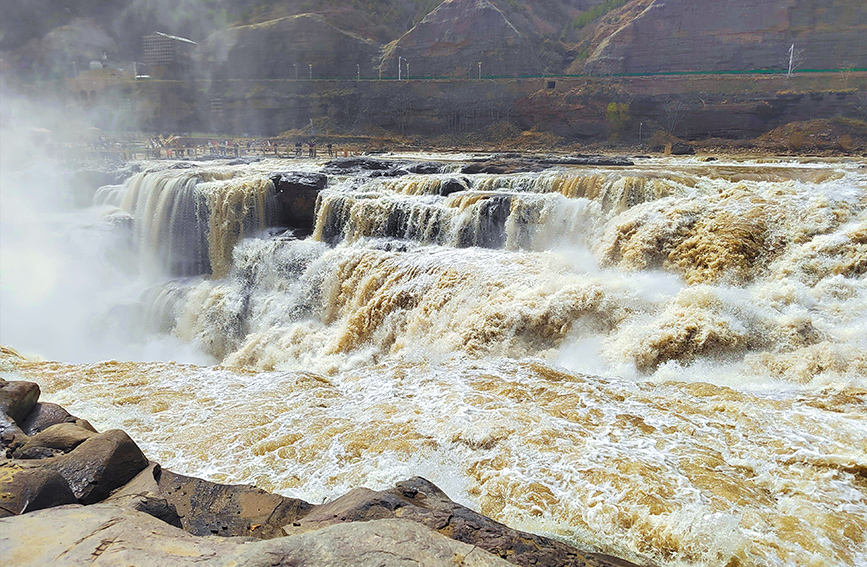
<point>664,362</point>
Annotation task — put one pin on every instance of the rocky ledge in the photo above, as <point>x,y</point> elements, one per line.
<point>70,495</point>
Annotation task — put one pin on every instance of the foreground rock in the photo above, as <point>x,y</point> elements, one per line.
<point>418,500</point>
<point>57,439</point>
<point>205,508</point>
<point>99,465</point>
<point>17,398</point>
<point>106,534</point>
<point>24,489</point>
<point>45,414</point>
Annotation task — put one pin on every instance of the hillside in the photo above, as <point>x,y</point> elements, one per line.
<point>41,39</point>
<point>650,36</point>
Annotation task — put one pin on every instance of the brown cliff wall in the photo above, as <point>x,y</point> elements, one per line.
<point>737,35</point>
<point>576,109</point>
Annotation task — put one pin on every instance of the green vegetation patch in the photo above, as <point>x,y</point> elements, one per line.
<point>596,12</point>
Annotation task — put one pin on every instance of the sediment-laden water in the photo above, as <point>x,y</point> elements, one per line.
<point>664,362</point>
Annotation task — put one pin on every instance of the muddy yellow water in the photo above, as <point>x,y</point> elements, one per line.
<point>683,473</point>
<point>666,363</point>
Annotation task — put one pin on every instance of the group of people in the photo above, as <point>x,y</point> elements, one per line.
<point>311,149</point>
<point>175,147</point>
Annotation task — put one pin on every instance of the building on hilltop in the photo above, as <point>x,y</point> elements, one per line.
<point>167,56</point>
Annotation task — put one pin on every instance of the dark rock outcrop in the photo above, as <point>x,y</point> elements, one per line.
<point>296,195</point>
<point>374,167</point>
<point>207,508</point>
<point>500,167</point>
<point>347,166</point>
<point>17,398</point>
<point>418,500</point>
<point>99,465</point>
<point>601,161</point>
<point>44,415</point>
<point>522,164</point>
<point>682,149</point>
<point>453,185</point>
<point>62,438</point>
<point>24,488</point>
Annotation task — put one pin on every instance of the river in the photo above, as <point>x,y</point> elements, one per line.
<point>664,362</point>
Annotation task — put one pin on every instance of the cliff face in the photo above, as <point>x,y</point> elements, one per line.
<point>285,49</point>
<point>454,38</point>
<point>342,38</point>
<point>738,35</point>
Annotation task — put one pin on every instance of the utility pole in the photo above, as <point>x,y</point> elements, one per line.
<point>640,125</point>
<point>296,70</point>
<point>310,67</point>
<point>357,72</point>
<point>480,70</point>
<point>398,66</point>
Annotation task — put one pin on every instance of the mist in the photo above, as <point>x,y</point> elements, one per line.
<point>71,288</point>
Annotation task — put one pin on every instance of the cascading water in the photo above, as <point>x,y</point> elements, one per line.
<point>666,362</point>
<point>188,220</point>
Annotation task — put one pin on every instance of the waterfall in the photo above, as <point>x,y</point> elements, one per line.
<point>188,221</point>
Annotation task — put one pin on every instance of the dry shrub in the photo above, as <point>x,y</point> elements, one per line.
<point>502,131</point>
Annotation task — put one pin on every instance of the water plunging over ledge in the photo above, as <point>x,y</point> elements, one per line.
<point>667,361</point>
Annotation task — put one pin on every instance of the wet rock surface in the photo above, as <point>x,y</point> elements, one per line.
<point>297,192</point>
<point>137,512</point>
<point>207,508</point>
<point>44,415</point>
<point>376,167</point>
<point>99,465</point>
<point>419,500</point>
<point>508,163</point>
<point>24,489</point>
<point>62,437</point>
<point>17,398</point>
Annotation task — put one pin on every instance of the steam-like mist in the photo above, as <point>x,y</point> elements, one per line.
<point>69,288</point>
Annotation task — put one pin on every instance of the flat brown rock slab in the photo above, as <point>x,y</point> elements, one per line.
<point>106,534</point>
<point>24,489</point>
<point>207,508</point>
<point>420,501</point>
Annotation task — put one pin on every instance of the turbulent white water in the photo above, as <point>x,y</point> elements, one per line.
<point>664,362</point>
